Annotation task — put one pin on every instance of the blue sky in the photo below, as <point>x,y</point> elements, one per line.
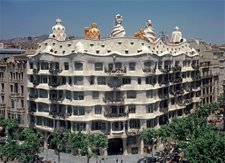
<point>202,19</point>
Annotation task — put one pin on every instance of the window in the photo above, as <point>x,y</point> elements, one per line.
<point>98,66</point>
<point>78,66</point>
<point>11,88</point>
<point>39,121</point>
<point>101,80</point>
<point>147,64</point>
<point>78,111</point>
<point>78,95</point>
<point>44,65</point>
<point>149,94</point>
<point>43,107</point>
<point>68,95</point>
<point>22,103</point>
<point>78,80</point>
<point>139,80</point>
<point>98,109</point>
<point>31,65</point>
<point>48,122</point>
<point>44,79</point>
<point>131,140</point>
<point>92,80</point>
<point>131,94</point>
<point>12,104</point>
<point>126,80</point>
<point>132,109</point>
<point>3,98</point>
<point>2,84</point>
<point>22,89</point>
<point>132,66</point>
<point>150,108</point>
<point>135,123</point>
<point>16,88</point>
<point>151,123</point>
<point>118,65</point>
<point>95,95</point>
<point>43,93</point>
<point>97,125</point>
<point>66,66</point>
<point>79,126</point>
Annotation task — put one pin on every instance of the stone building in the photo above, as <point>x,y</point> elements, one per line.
<point>13,88</point>
<point>116,86</point>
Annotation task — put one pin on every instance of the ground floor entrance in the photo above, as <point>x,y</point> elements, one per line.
<point>115,146</point>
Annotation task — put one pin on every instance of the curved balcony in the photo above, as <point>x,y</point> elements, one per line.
<point>116,100</point>
<point>35,70</point>
<point>115,115</point>
<point>165,70</point>
<point>148,70</point>
<point>54,71</point>
<point>55,114</point>
<point>195,67</point>
<point>116,71</point>
<point>176,68</point>
<point>133,131</point>
<point>56,99</point>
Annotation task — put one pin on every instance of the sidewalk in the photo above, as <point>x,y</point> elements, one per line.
<point>68,158</point>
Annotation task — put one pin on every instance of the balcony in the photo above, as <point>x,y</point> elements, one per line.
<point>54,84</point>
<point>116,71</point>
<point>33,96</point>
<point>55,114</point>
<point>114,100</point>
<point>188,101</point>
<point>164,96</point>
<point>56,99</point>
<point>164,109</point>
<point>166,82</point>
<point>176,68</point>
<point>54,71</point>
<point>178,80</point>
<point>133,131</point>
<point>35,82</point>
<point>114,82</point>
<point>165,70</point>
<point>35,70</point>
<point>195,67</point>
<point>31,110</point>
<point>180,91</point>
<point>149,70</point>
<point>115,115</point>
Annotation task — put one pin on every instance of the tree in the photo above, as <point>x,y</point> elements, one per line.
<point>20,143</point>
<point>87,144</point>
<point>150,137</point>
<point>209,147</point>
<point>29,146</point>
<point>60,140</point>
<point>10,150</point>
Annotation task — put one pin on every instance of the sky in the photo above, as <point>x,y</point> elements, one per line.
<point>197,19</point>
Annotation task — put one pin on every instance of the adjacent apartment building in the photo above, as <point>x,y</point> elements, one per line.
<point>116,86</point>
<point>209,71</point>
<point>13,100</point>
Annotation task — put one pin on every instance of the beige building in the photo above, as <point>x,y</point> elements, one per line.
<point>209,70</point>
<point>13,98</point>
<point>116,86</point>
